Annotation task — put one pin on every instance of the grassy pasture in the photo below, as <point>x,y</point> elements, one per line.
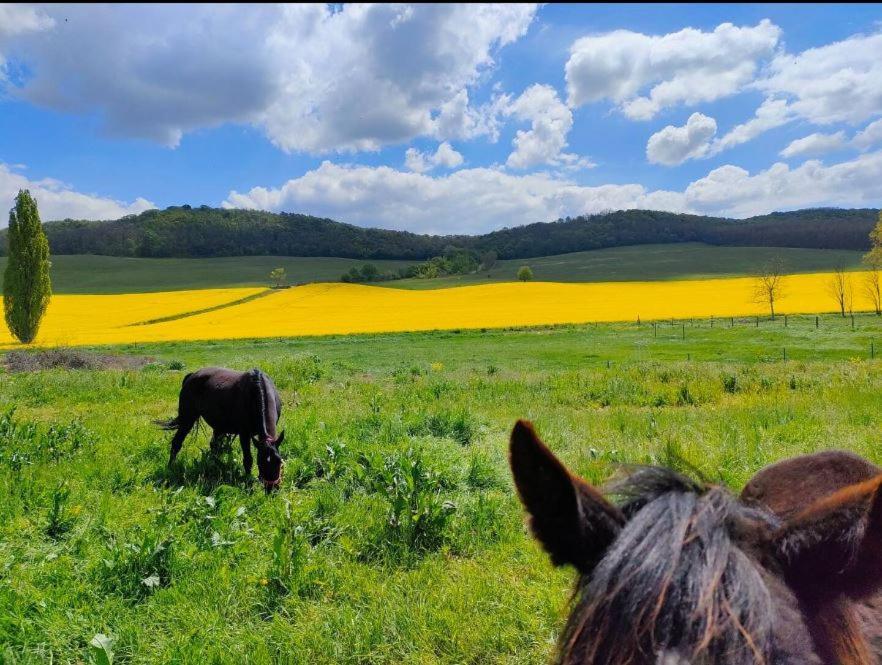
<point>109,274</point>
<point>396,537</point>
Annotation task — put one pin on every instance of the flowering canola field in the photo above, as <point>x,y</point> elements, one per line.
<point>337,308</point>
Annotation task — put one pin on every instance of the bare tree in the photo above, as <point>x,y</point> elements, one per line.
<point>769,284</point>
<point>842,290</point>
<point>872,281</point>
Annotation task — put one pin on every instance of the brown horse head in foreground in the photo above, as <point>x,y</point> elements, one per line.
<point>677,572</point>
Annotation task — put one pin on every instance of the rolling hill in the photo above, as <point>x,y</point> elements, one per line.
<point>186,232</point>
<point>110,274</point>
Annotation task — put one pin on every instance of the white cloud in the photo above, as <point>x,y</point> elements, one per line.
<point>550,122</point>
<point>839,82</point>
<point>685,67</point>
<point>466,201</point>
<point>770,114</point>
<point>57,200</point>
<point>731,190</point>
<point>814,144</point>
<point>674,145</point>
<point>16,19</point>
<point>869,136</point>
<point>314,78</point>
<point>420,162</point>
<point>481,199</point>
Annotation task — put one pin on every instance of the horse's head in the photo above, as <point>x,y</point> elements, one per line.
<point>269,461</point>
<point>677,572</point>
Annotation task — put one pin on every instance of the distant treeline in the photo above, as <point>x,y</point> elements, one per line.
<point>183,231</point>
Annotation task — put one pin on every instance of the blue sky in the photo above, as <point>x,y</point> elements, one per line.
<point>441,118</point>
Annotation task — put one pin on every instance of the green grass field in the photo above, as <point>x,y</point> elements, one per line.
<point>396,537</point>
<point>108,274</point>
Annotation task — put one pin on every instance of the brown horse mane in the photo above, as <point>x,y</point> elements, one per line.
<point>673,586</point>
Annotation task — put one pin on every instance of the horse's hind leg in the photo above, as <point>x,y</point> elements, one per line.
<point>184,427</point>
<point>217,441</point>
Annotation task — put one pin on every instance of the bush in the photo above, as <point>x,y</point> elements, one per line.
<point>525,273</point>
<point>457,425</point>
<point>136,569</point>
<point>417,517</point>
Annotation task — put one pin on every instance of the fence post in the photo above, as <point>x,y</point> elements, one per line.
<point>785,320</point>
<point>607,364</point>
<point>712,321</point>
<point>757,322</point>
<point>684,331</point>
<point>852,321</point>
<point>732,322</point>
<point>872,350</point>
<point>654,329</point>
<point>638,319</point>
<point>817,322</point>
<point>785,353</point>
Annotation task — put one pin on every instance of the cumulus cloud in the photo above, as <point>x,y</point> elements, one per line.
<point>644,73</point>
<point>550,122</point>
<point>731,190</point>
<point>869,135</point>
<point>16,19</point>
<point>420,162</point>
<point>466,201</point>
<point>314,77</point>
<point>814,144</point>
<point>770,114</point>
<point>674,145</point>
<point>839,82</point>
<point>482,199</point>
<point>56,200</point>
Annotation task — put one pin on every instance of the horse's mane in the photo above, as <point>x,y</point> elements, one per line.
<point>256,377</point>
<point>673,587</point>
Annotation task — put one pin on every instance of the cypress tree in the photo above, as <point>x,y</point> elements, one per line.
<point>26,285</point>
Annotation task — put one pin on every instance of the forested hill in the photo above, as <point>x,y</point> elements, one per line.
<point>213,232</point>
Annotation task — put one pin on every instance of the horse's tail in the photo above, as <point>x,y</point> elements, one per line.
<point>173,423</point>
<point>167,425</point>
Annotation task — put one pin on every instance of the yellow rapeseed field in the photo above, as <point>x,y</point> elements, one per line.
<point>87,319</point>
<point>321,309</point>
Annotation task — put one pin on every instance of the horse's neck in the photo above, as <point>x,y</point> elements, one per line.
<point>839,632</point>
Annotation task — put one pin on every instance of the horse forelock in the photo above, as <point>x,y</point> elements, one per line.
<point>673,585</point>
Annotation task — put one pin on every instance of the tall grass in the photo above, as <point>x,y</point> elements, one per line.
<point>396,536</point>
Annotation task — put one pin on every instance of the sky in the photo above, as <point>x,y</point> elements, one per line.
<point>441,118</point>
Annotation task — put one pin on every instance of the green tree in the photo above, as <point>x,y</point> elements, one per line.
<point>26,285</point>
<point>369,272</point>
<point>525,273</point>
<point>488,259</point>
<point>279,276</point>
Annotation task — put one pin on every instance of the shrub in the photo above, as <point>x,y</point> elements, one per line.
<point>417,516</point>
<point>730,383</point>
<point>457,425</point>
<point>137,568</point>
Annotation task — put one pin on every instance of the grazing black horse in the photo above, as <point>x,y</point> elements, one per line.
<point>244,404</point>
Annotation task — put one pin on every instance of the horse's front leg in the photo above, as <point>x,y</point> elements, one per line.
<point>247,461</point>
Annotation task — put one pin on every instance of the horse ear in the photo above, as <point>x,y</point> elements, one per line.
<point>835,545</point>
<point>279,440</point>
<point>574,523</point>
